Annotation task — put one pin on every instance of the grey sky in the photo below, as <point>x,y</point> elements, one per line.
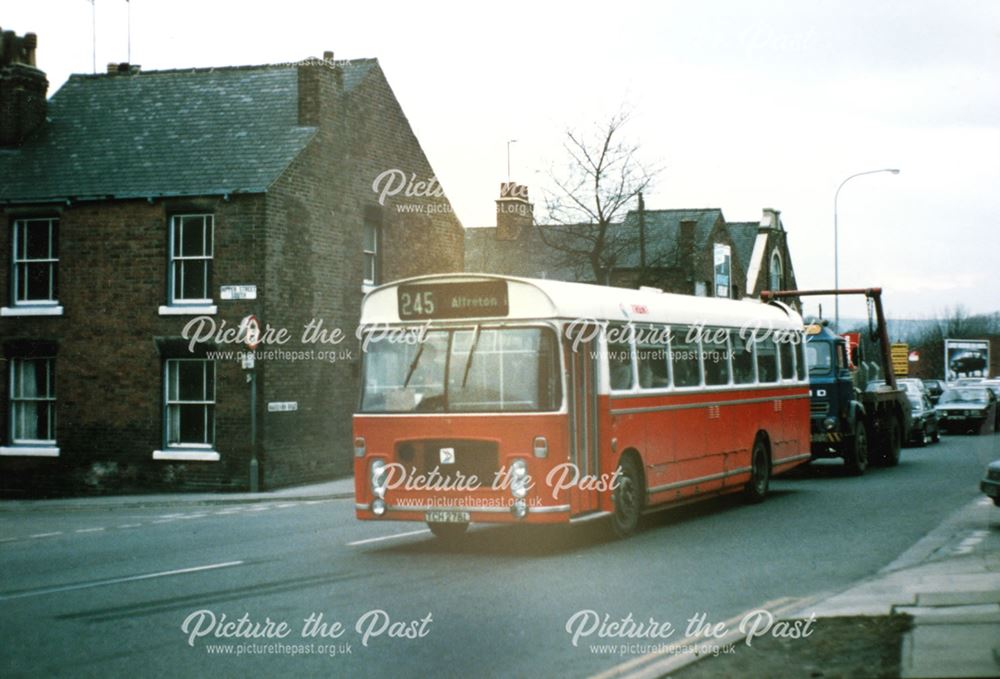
<point>747,105</point>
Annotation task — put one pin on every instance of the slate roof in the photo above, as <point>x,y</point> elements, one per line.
<point>165,133</point>
<point>744,234</point>
<point>663,228</point>
<point>529,256</point>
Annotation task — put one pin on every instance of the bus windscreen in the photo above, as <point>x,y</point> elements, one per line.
<point>463,370</point>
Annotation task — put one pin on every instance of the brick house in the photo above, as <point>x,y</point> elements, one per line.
<point>134,203</point>
<point>694,252</point>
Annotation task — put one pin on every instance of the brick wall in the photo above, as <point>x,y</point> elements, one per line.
<point>315,218</point>
<point>109,383</point>
<point>301,245</point>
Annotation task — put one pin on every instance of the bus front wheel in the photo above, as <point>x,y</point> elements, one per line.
<point>627,497</point>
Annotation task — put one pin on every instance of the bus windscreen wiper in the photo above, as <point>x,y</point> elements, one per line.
<point>468,359</point>
<point>413,366</point>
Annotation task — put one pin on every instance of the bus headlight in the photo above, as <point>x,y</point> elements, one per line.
<point>359,446</point>
<point>377,477</point>
<point>378,507</point>
<point>519,509</point>
<point>830,423</point>
<point>518,478</point>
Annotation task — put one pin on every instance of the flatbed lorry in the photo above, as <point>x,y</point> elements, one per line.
<point>848,419</point>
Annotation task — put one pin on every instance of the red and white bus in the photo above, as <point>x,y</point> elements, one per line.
<point>509,400</point>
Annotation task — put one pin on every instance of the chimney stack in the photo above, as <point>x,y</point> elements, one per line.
<point>771,219</point>
<point>320,81</point>
<point>22,88</point>
<point>514,212</point>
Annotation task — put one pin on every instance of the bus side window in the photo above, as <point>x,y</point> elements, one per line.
<point>620,357</point>
<point>767,360</point>
<point>743,364</point>
<point>652,366</point>
<point>787,359</point>
<point>684,358</point>
<point>715,355</point>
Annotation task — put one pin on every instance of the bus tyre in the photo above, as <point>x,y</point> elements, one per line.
<point>856,456</point>
<point>760,473</point>
<point>627,497</point>
<point>448,532</point>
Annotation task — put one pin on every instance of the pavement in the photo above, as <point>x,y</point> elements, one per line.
<point>949,582</point>
<point>337,489</point>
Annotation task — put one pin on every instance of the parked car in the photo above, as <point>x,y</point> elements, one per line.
<point>967,409</point>
<point>934,389</point>
<point>966,381</point>
<point>994,386</point>
<point>991,484</point>
<point>925,428</point>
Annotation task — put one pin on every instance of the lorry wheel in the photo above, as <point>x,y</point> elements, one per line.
<point>893,442</point>
<point>856,459</point>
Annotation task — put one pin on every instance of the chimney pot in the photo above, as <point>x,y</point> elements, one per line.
<point>328,55</point>
<point>22,88</point>
<point>514,212</point>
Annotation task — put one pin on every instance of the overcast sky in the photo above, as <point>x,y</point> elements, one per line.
<point>746,104</point>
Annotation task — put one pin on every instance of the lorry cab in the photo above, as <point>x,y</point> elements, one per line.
<point>831,386</point>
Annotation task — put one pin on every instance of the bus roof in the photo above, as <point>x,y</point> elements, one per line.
<point>531,298</point>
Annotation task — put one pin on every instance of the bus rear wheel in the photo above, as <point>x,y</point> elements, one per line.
<point>448,531</point>
<point>760,473</point>
<point>627,497</point>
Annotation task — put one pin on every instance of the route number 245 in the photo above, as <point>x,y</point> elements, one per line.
<point>416,303</point>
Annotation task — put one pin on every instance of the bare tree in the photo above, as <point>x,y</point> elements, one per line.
<point>602,179</point>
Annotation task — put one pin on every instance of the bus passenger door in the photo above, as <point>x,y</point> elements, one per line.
<point>583,415</point>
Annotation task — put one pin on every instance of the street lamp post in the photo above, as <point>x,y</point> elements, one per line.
<point>836,241</point>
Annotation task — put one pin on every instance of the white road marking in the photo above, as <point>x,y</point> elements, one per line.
<point>45,535</point>
<point>192,516</point>
<point>223,512</point>
<point>162,520</point>
<point>387,537</point>
<point>286,505</point>
<point>130,525</point>
<point>115,581</point>
<point>88,530</point>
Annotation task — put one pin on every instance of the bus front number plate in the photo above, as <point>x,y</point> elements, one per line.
<point>447,517</point>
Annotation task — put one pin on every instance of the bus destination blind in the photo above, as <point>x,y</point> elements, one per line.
<point>452,300</point>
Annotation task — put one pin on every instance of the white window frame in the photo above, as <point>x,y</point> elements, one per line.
<point>177,262</point>
<point>185,450</point>
<point>20,262</point>
<point>21,445</point>
<point>777,267</point>
<point>370,262</point>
